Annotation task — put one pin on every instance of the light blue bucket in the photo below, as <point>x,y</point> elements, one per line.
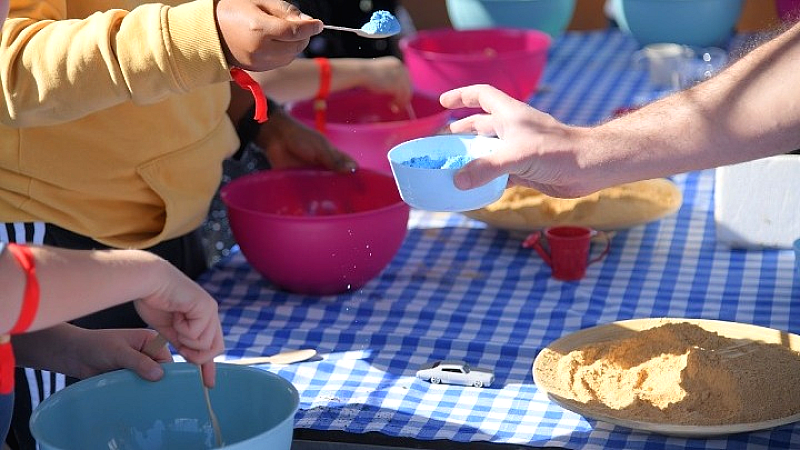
<point>550,16</point>
<point>701,23</point>
<point>119,410</point>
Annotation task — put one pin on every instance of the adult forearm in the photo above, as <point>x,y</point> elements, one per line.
<point>750,110</point>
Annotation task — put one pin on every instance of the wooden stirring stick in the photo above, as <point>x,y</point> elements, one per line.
<point>151,348</point>
<point>214,421</point>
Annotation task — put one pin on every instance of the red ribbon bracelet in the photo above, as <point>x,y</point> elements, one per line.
<point>30,304</point>
<point>245,81</point>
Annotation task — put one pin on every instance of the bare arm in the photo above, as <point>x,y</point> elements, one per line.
<point>82,353</point>
<point>750,110</point>
<point>74,283</point>
<point>300,79</point>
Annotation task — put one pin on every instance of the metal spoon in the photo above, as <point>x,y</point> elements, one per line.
<point>287,357</point>
<point>361,32</point>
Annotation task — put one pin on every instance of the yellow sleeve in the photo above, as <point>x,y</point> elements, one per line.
<point>56,68</point>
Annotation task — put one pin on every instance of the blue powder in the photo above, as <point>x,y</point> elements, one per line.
<point>382,22</point>
<point>426,162</point>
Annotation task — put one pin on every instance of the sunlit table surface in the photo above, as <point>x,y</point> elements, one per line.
<point>460,290</point>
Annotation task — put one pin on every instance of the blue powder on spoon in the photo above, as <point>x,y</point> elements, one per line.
<point>382,22</point>
<point>426,162</point>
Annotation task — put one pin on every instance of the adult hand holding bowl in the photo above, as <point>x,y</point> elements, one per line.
<point>424,169</point>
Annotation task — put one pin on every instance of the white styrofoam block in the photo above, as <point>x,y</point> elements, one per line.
<point>757,203</point>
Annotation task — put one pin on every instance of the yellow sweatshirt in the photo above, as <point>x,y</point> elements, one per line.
<point>115,123</point>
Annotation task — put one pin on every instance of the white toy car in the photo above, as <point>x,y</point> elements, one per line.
<point>455,372</point>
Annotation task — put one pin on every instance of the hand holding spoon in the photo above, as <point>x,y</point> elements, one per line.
<point>361,32</point>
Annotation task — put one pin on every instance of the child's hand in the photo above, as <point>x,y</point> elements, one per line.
<point>82,353</point>
<point>288,143</point>
<point>183,313</point>
<point>260,35</point>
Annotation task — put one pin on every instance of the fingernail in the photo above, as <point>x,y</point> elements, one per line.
<point>461,180</point>
<point>155,373</point>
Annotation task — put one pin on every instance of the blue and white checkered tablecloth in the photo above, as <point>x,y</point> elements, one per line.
<point>459,290</point>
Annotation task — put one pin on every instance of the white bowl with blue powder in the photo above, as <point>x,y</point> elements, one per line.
<point>424,168</point>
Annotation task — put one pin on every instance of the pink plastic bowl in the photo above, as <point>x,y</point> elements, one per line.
<point>511,60</point>
<point>317,232</point>
<point>788,10</point>
<point>366,125</point>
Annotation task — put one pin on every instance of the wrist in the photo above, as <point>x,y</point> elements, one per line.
<point>30,301</point>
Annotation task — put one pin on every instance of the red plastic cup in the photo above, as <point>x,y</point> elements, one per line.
<point>569,250</point>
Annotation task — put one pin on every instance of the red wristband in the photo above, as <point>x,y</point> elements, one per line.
<point>245,81</point>
<point>320,100</point>
<point>7,365</point>
<point>30,300</point>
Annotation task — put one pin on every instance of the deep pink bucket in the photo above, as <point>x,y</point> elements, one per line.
<point>366,125</point>
<point>788,10</point>
<point>314,231</point>
<point>511,60</point>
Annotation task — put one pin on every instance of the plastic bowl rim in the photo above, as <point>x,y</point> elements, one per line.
<point>399,204</point>
<point>99,380</point>
<point>438,136</point>
<point>406,44</point>
<point>441,115</point>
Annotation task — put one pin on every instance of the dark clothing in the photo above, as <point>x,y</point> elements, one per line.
<point>6,407</point>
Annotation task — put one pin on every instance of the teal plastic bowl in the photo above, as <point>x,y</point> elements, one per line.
<point>425,180</point>
<point>702,23</point>
<point>550,16</point>
<point>120,411</point>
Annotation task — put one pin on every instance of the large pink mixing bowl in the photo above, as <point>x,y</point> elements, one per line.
<point>788,10</point>
<point>317,232</point>
<point>366,125</point>
<point>511,60</point>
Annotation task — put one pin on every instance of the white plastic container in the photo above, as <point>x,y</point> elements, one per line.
<point>757,203</point>
<point>432,188</point>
